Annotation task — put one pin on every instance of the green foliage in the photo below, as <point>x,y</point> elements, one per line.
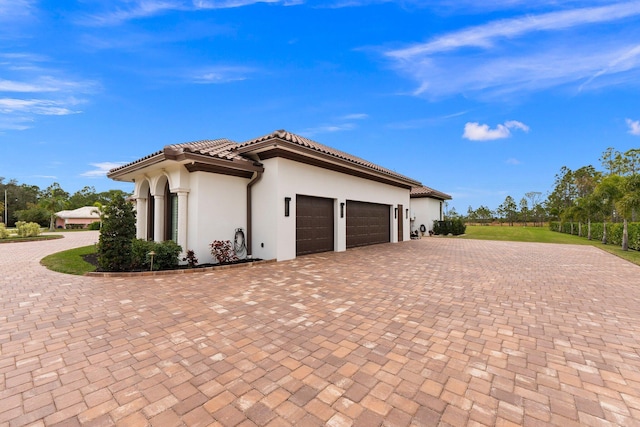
<point>166,255</point>
<point>27,229</point>
<point>614,232</point>
<point>4,233</point>
<point>455,227</point>
<point>116,236</point>
<point>34,213</point>
<point>94,226</point>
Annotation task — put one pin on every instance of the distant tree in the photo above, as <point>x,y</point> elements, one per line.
<point>484,214</point>
<point>53,199</point>
<point>86,196</point>
<point>34,213</point>
<point>609,191</point>
<point>524,210</point>
<point>509,209</point>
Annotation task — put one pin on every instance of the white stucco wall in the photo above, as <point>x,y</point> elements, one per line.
<point>217,207</point>
<point>425,210</point>
<point>285,178</point>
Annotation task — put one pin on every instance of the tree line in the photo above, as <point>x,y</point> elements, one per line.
<point>29,203</point>
<point>611,195</point>
<point>531,209</point>
<point>581,196</point>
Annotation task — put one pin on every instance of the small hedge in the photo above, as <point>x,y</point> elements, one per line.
<point>614,232</point>
<point>4,233</point>
<point>166,255</point>
<point>27,229</point>
<point>453,226</point>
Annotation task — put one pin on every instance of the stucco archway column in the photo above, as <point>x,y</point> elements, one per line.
<point>183,198</point>
<point>141,218</point>
<point>158,218</point>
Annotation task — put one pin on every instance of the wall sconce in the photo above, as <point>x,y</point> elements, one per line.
<point>406,215</point>
<point>341,210</point>
<point>395,213</point>
<point>287,201</point>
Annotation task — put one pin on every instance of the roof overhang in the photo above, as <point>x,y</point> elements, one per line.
<point>193,162</point>
<point>277,147</point>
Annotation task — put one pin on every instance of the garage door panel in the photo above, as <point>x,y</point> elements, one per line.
<point>314,225</point>
<point>367,223</point>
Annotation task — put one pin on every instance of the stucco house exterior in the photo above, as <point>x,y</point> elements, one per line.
<point>426,207</point>
<point>80,217</point>
<point>290,196</point>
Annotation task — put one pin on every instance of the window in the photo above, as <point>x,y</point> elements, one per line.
<point>171,215</point>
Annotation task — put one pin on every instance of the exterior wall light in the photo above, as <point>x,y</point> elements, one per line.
<point>287,204</point>
<point>341,210</point>
<point>395,213</point>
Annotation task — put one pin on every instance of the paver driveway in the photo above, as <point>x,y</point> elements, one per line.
<point>429,332</point>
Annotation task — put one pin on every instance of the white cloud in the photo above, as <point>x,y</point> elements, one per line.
<point>310,132</point>
<point>101,169</point>
<point>634,127</point>
<point>220,74</point>
<point>512,161</point>
<point>474,131</point>
<point>553,49</point>
<point>355,116</point>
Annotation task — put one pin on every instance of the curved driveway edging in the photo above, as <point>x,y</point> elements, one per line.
<point>426,332</point>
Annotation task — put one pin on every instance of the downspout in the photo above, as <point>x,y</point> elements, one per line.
<point>255,178</point>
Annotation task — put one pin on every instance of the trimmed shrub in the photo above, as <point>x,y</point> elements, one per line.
<point>117,234</point>
<point>27,229</point>
<point>453,226</point>
<point>4,233</point>
<point>94,226</point>
<point>167,255</point>
<point>140,254</point>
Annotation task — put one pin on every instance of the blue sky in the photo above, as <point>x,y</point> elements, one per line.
<point>476,99</point>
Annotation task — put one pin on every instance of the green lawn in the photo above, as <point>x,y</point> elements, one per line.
<point>542,235</point>
<point>70,262</point>
<point>15,238</point>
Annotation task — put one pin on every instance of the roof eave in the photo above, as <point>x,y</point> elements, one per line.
<point>285,146</point>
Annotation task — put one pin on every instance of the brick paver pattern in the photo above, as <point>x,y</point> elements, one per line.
<point>422,333</point>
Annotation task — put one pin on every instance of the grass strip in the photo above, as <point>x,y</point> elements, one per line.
<point>543,235</point>
<point>70,261</point>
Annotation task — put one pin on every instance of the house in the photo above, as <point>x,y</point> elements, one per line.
<point>290,196</point>
<point>426,206</point>
<point>77,218</point>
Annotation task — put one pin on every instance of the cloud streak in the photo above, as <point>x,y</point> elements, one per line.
<point>525,54</point>
<point>100,169</point>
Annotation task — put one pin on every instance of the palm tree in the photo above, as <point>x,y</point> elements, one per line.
<point>609,191</point>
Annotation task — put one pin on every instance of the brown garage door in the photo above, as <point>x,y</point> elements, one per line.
<point>314,225</point>
<point>367,223</point>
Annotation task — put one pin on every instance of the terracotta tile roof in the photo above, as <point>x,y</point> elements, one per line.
<point>220,148</point>
<point>428,192</point>
<point>321,148</point>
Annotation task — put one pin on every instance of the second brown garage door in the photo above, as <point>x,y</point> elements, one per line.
<point>314,225</point>
<point>367,223</point>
